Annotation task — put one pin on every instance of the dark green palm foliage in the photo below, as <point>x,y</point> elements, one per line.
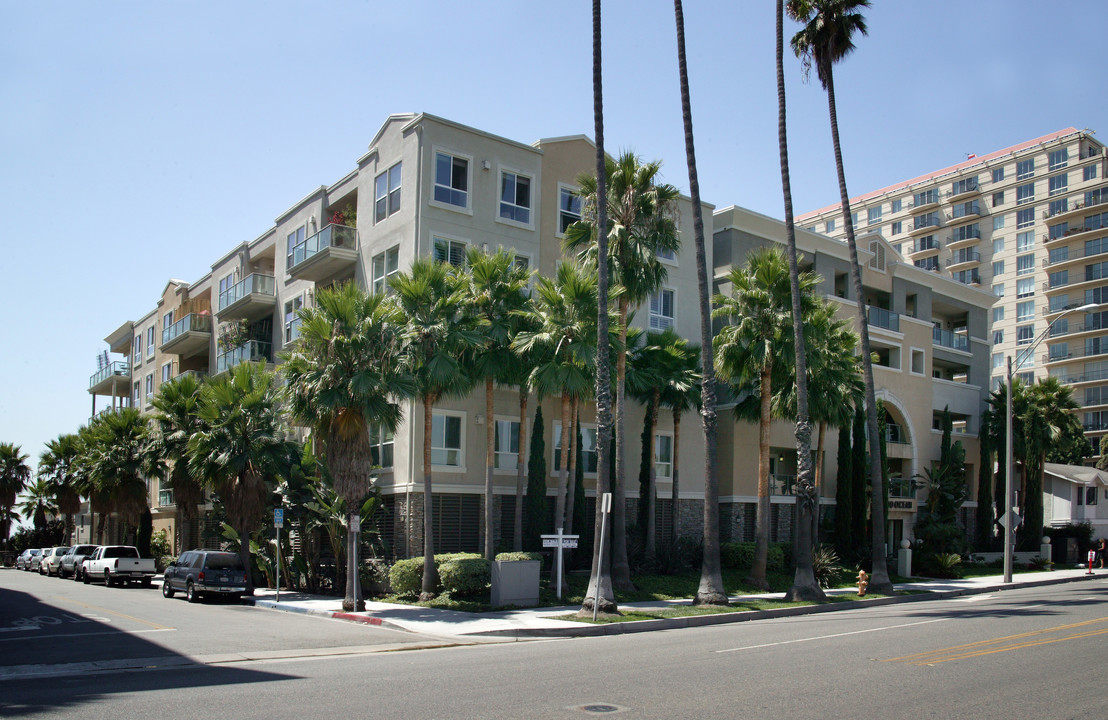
<point>431,301</point>
<point>1050,413</point>
<point>496,301</point>
<point>241,449</point>
<point>99,502</point>
<point>345,374</point>
<point>118,462</point>
<point>564,345</point>
<point>681,394</point>
<point>14,476</point>
<point>983,529</point>
<point>176,419</point>
<point>754,351</point>
<point>642,223</point>
<point>58,464</point>
<point>38,502</point>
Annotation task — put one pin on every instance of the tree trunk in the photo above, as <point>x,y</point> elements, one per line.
<point>762,515</point>
<point>521,471</point>
<point>675,475</point>
<point>621,569</point>
<point>879,578</point>
<point>490,453</point>
<point>819,483</point>
<point>244,556</point>
<point>711,590</point>
<point>430,573</point>
<point>651,483</point>
<point>575,422</point>
<point>563,465</point>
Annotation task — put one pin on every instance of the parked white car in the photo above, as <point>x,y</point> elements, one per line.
<point>118,564</point>
<point>52,560</point>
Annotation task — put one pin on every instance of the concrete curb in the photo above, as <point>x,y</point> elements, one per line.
<point>331,614</point>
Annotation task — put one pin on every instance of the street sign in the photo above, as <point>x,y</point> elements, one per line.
<point>568,541</point>
<point>561,541</point>
<point>278,517</point>
<point>1010,517</point>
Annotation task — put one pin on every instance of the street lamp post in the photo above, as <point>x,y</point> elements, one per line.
<point>1021,357</point>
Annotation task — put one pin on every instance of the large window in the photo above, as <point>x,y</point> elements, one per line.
<point>385,265</point>
<point>1025,241</point>
<point>386,193</point>
<point>1058,184</point>
<point>167,372</point>
<point>292,318</point>
<point>1025,334</point>
<point>1025,287</point>
<point>897,205</point>
<point>663,456</point>
<point>380,445</point>
<point>1025,169</point>
<point>451,179</point>
<point>1025,193</point>
<point>829,226</point>
<point>1025,217</point>
<point>1089,173</point>
<point>998,175</point>
<point>149,387</point>
<point>1058,159</point>
<point>150,341</point>
<point>293,239</point>
<point>587,459</point>
<point>450,251</point>
<point>569,208</point>
<point>446,440</point>
<point>998,268</point>
<point>137,349</point>
<point>1025,311</point>
<point>515,197</point>
<point>998,314</point>
<point>506,445</point>
<point>661,310</point>
<point>897,227</point>
<point>873,215</point>
<point>926,197</point>
<point>1025,264</point>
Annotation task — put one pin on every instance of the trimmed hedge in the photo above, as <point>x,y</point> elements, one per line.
<point>466,576</point>
<point>406,576</point>
<point>740,556</point>
<point>518,556</point>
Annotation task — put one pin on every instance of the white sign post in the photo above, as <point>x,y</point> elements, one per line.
<point>559,541</point>
<point>278,523</point>
<point>1092,557</point>
<point>605,509</point>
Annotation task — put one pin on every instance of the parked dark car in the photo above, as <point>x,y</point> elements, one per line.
<point>205,572</point>
<point>71,563</point>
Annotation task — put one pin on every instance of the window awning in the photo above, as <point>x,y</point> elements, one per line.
<point>1077,474</point>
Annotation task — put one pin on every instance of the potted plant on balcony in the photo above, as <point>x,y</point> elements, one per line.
<point>233,334</point>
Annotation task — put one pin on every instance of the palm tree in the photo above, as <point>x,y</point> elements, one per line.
<point>118,460</point>
<point>58,464</point>
<point>642,211</point>
<point>176,419</point>
<point>711,591</point>
<point>344,376</point>
<point>564,344</point>
<point>38,502</point>
<point>430,302</point>
<point>519,375</point>
<point>241,448</point>
<point>753,349</point>
<point>825,39</point>
<point>495,296</point>
<point>14,476</point>
<point>1049,416</point>
<point>681,393</point>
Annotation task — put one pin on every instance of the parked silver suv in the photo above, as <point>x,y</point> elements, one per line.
<point>205,572</point>
<point>71,562</point>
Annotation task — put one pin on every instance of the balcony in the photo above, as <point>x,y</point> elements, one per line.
<point>924,247</point>
<point>925,201</point>
<point>114,380</point>
<point>200,375</point>
<point>1054,310</point>
<point>251,298</point>
<point>782,484</point>
<point>1063,353</point>
<point>949,339</point>
<point>191,335</point>
<point>923,225</point>
<point>1078,377</point>
<point>963,259</point>
<point>252,351</point>
<point>882,318</point>
<point>963,189</point>
<point>1064,328</point>
<point>1076,209</point>
<point>331,251</point>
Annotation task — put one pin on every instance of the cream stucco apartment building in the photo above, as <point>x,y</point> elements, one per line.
<point>430,186</point>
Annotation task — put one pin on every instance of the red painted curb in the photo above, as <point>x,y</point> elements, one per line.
<point>356,618</point>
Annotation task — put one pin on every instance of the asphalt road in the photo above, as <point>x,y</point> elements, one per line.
<point>1034,653</point>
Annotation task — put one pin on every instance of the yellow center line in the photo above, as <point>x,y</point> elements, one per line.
<point>117,614</point>
<point>995,645</point>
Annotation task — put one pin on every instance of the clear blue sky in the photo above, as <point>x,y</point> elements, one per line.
<point>140,141</point>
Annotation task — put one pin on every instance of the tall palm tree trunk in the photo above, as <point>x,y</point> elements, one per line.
<point>621,569</point>
<point>571,489</point>
<point>652,478</point>
<point>818,482</point>
<point>430,574</point>
<point>521,472</point>
<point>675,476</point>
<point>762,514</point>
<point>600,595</point>
<point>711,590</point>
<point>879,578</point>
<point>490,452</point>
<point>804,585</point>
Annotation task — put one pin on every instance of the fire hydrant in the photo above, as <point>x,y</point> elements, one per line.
<point>863,582</point>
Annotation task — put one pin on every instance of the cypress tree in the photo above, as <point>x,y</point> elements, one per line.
<point>860,493</point>
<point>535,515</point>
<point>984,520</point>
<point>844,496</point>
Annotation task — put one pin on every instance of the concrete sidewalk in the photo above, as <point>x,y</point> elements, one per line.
<point>543,622</point>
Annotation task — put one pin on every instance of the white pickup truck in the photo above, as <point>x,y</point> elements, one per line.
<point>118,564</point>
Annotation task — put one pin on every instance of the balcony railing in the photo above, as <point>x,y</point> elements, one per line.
<point>964,257</point>
<point>252,351</point>
<point>330,236</point>
<point>189,323</point>
<point>925,222</point>
<point>782,484</point>
<point>1056,354</point>
<point>925,244</point>
<point>950,339</point>
<point>1088,376</point>
<point>249,285</point>
<point>882,318</point>
<point>119,367</point>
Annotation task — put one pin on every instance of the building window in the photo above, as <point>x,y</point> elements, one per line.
<point>1089,173</point>
<point>1025,264</point>
<point>137,402</point>
<point>963,186</point>
<point>167,372</point>
<point>1058,159</point>
<point>569,208</point>
<point>294,239</point>
<point>998,314</point>
<point>1025,311</point>
<point>1059,302</point>
<point>1059,278</point>
<point>450,251</point>
<point>1058,184</point>
<point>138,349</point>
<point>167,321</point>
<point>829,226</point>
<point>446,440</point>
<point>998,222</point>
<point>998,337</point>
<point>1025,218</point>
<point>998,198</point>
<point>386,193</point>
<point>515,197</point>
<point>1025,287</point>
<point>926,197</point>
<point>1025,169</point>
<point>385,265</point>
<point>1025,193</point>
<point>150,341</point>
<point>873,215</point>
<point>998,245</point>
<point>998,268</point>
<point>1057,206</point>
<point>998,290</point>
<point>587,459</point>
<point>897,227</point>
<point>663,455</point>
<point>931,263</point>
<point>1025,334</point>
<point>931,219</point>
<point>998,175</point>
<point>451,179</point>
<point>998,361</point>
<point>854,218</point>
<point>506,445</point>
<point>897,205</point>
<point>380,445</point>
<point>292,318</point>
<point>661,310</point>
<point>149,387</point>
<point>1025,241</point>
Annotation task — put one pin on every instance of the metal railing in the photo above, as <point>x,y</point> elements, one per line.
<point>253,283</point>
<point>782,484</point>
<point>963,256</point>
<point>882,318</point>
<point>251,351</point>
<point>189,323</point>
<point>950,339</point>
<point>119,367</point>
<point>330,236</point>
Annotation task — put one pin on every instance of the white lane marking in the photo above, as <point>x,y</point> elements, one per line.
<point>91,634</point>
<point>834,635</point>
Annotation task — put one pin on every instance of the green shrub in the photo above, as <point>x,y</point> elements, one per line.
<point>518,556</point>
<point>406,576</point>
<point>465,575</point>
<point>1039,563</point>
<point>740,556</point>
<point>779,557</point>
<point>940,565</point>
<point>825,566</point>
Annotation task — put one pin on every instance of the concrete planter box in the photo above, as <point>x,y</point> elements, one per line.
<point>515,582</point>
